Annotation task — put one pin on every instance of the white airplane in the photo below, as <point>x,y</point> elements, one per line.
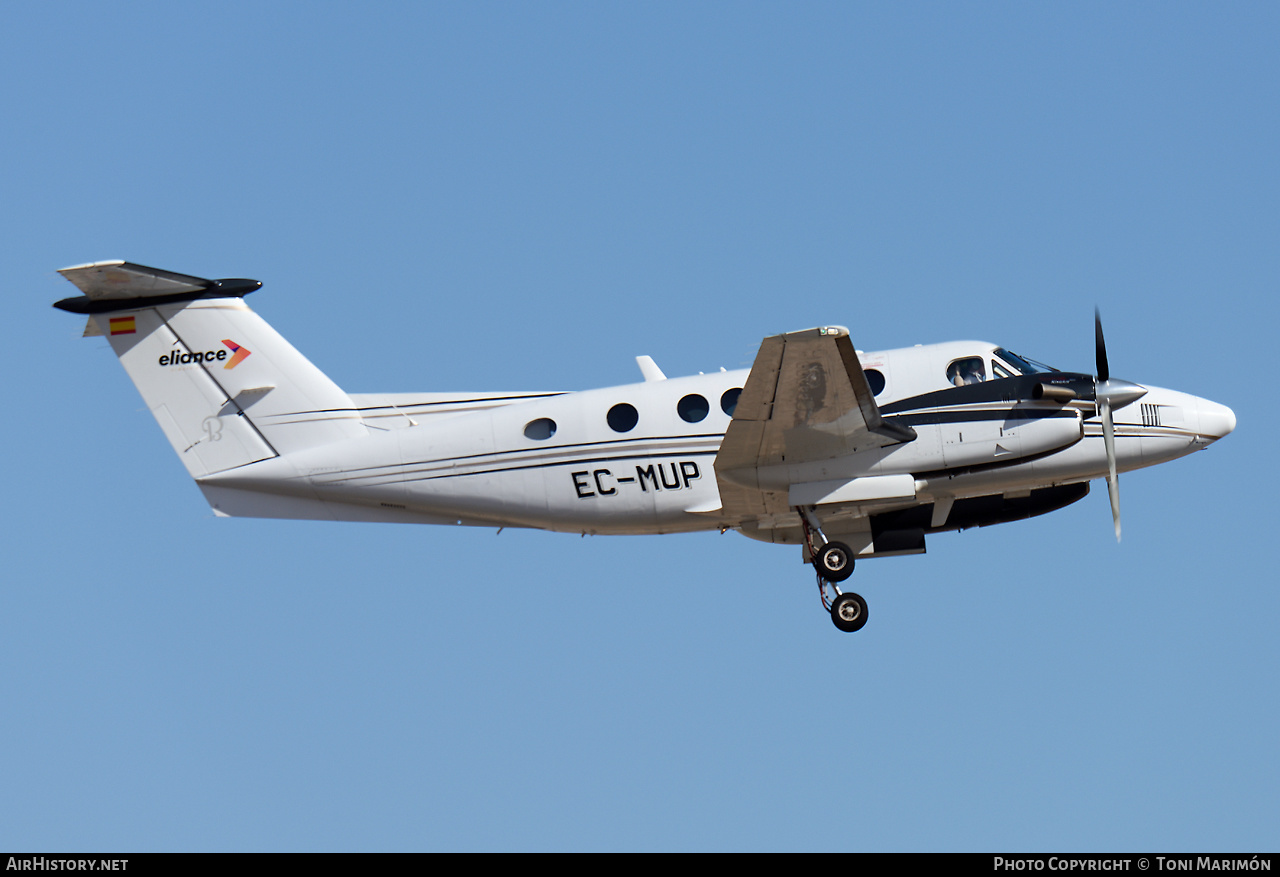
<point>846,454</point>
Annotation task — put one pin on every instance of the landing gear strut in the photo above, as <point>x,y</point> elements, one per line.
<point>833,563</point>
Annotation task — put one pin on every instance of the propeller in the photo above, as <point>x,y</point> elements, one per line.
<point>1110,394</point>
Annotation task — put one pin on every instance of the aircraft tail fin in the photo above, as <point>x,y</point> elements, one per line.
<point>224,386</point>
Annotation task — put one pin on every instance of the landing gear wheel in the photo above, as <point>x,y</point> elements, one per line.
<point>849,612</point>
<point>834,562</point>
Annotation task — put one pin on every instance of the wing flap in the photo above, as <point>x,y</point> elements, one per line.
<point>867,489</point>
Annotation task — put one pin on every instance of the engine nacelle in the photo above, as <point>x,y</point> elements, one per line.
<point>1024,432</point>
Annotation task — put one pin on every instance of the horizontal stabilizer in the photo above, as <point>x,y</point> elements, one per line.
<point>115,285</point>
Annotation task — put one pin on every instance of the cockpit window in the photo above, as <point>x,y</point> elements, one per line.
<point>969,370</point>
<point>1022,364</point>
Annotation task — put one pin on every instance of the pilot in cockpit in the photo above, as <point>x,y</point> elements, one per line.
<point>964,372</point>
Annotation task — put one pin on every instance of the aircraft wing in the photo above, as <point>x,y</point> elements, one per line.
<point>806,400</point>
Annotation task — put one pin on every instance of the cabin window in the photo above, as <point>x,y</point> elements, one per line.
<point>693,408</point>
<point>964,372</point>
<point>875,380</point>
<point>729,401</point>
<point>623,417</point>
<point>541,429</point>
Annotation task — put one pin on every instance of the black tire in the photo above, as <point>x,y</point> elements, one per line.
<point>849,612</point>
<point>834,561</point>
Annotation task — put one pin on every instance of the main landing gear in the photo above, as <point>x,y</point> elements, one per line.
<point>833,563</point>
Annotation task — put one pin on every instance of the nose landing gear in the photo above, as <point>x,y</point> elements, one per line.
<point>833,563</point>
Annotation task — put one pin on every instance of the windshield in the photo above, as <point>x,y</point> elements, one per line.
<point>1022,364</point>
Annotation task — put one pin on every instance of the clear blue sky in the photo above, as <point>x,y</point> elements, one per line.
<point>510,196</point>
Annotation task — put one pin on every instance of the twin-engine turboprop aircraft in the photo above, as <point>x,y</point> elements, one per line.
<point>846,454</point>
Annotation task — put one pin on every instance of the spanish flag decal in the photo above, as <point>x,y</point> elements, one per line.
<point>238,353</point>
<point>123,326</point>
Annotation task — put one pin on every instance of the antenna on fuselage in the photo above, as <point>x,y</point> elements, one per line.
<point>650,369</point>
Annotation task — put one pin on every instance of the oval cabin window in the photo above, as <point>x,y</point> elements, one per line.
<point>540,429</point>
<point>623,417</point>
<point>693,408</point>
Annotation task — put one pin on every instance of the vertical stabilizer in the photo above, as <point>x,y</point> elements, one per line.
<point>224,386</point>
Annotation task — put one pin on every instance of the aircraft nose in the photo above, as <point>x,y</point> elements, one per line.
<point>1215,420</point>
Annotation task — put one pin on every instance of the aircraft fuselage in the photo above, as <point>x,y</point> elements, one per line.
<point>452,461</point>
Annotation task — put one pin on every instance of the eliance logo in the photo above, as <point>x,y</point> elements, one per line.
<point>238,355</point>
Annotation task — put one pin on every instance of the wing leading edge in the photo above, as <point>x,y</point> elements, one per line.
<point>806,400</point>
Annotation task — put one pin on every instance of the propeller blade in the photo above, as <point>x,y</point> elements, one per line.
<point>1113,479</point>
<point>1110,395</point>
<point>1100,348</point>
